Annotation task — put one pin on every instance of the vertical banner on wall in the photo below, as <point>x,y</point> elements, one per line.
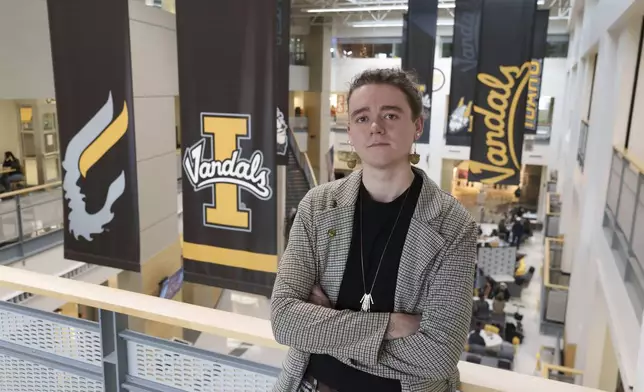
<point>421,41</point>
<point>90,44</point>
<point>228,133</point>
<point>405,42</point>
<point>540,38</point>
<point>282,63</point>
<point>500,100</point>
<point>465,57</point>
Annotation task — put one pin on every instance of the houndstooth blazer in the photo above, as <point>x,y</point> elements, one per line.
<point>435,279</point>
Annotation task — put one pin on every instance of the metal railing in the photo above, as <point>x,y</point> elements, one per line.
<point>42,351</point>
<point>583,141</point>
<point>554,291</point>
<point>624,223</point>
<point>302,159</point>
<point>553,215</point>
<point>31,220</point>
<point>562,373</point>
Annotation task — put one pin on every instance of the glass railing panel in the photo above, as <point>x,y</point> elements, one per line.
<point>41,211</point>
<point>8,222</point>
<point>132,361</point>
<point>624,224</point>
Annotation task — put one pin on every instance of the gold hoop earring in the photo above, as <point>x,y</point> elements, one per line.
<point>414,158</point>
<point>353,159</point>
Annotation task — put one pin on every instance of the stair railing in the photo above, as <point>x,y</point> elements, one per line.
<point>302,159</point>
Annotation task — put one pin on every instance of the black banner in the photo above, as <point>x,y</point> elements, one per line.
<point>90,44</point>
<point>419,56</point>
<point>228,133</point>
<point>465,57</point>
<point>282,64</point>
<point>405,42</point>
<point>540,38</point>
<point>500,99</point>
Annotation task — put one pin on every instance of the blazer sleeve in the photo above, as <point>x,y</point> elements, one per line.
<point>432,354</point>
<point>311,328</point>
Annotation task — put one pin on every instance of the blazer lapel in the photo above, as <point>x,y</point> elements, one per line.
<point>422,245</point>
<point>334,231</point>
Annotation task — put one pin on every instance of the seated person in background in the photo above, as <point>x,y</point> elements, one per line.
<point>11,162</point>
<point>481,307</point>
<point>503,230</point>
<point>527,228</point>
<point>475,338</point>
<point>498,306</point>
<point>502,289</point>
<point>523,279</point>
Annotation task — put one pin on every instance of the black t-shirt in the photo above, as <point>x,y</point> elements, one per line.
<point>378,219</point>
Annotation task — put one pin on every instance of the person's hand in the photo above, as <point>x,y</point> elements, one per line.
<point>318,297</point>
<point>402,325</point>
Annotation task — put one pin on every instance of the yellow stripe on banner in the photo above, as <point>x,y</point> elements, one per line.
<point>230,257</point>
<point>106,140</point>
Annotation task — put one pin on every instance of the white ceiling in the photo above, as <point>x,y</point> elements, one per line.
<point>389,10</point>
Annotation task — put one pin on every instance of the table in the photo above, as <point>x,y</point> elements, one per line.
<point>491,339</point>
<point>6,170</point>
<point>502,278</point>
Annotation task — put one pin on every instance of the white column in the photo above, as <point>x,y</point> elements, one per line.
<point>639,380</point>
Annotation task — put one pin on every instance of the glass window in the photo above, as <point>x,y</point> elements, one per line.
<point>447,47</point>
<point>297,51</point>
<point>368,48</point>
<point>28,144</point>
<point>51,142</point>
<point>557,45</point>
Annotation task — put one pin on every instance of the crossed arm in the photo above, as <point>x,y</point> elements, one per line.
<point>430,353</point>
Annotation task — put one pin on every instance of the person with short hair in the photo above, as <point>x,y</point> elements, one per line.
<point>15,173</point>
<point>374,291</point>
<point>475,338</point>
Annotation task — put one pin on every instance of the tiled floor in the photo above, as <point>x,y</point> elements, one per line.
<point>252,305</point>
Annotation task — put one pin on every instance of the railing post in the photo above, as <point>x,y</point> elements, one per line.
<point>21,237</point>
<point>631,233</point>
<point>619,194</point>
<point>114,350</point>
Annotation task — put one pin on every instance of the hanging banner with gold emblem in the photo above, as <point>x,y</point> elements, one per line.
<point>90,47</point>
<point>500,100</point>
<point>465,57</point>
<point>536,70</point>
<point>419,53</point>
<point>282,64</point>
<point>228,138</point>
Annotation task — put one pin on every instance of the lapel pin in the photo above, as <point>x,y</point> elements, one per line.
<point>331,232</point>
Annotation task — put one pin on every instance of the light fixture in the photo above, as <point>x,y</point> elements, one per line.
<point>382,8</point>
<point>359,9</point>
<point>378,24</point>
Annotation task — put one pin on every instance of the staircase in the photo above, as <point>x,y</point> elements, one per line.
<point>299,178</point>
<point>296,183</point>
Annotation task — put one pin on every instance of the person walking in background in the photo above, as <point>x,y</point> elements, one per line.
<point>14,171</point>
<point>374,291</point>
<point>517,233</point>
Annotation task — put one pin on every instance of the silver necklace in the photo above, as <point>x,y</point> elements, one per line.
<point>367,299</point>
